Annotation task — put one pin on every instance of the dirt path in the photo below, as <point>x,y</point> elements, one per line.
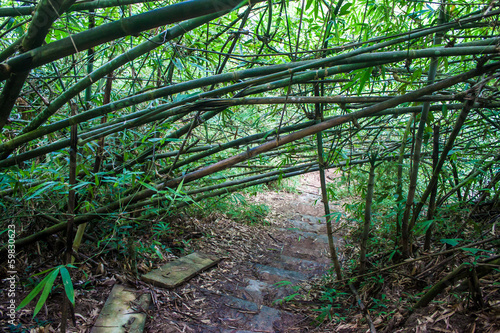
<point>262,266</point>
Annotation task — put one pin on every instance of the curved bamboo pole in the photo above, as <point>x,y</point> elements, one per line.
<point>173,183</point>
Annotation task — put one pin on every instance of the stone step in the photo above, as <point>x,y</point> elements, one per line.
<point>299,225</point>
<point>309,267</point>
<point>262,293</point>
<point>309,250</point>
<point>312,219</point>
<point>232,314</point>
<point>274,274</point>
<point>317,237</point>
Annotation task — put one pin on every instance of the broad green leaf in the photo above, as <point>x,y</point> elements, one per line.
<point>68,285</point>
<point>472,250</point>
<point>345,9</point>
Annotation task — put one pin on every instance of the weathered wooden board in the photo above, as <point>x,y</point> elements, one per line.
<point>179,271</point>
<point>123,311</point>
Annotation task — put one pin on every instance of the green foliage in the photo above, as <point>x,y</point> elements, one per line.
<point>237,208</point>
<point>161,229</point>
<point>45,286</point>
<point>240,210</point>
<point>332,298</point>
<point>288,298</point>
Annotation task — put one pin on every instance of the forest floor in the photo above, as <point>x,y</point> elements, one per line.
<point>273,277</point>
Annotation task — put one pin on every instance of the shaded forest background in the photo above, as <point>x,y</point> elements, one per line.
<point>117,114</point>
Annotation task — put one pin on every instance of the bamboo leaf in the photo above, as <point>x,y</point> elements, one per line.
<point>148,186</point>
<point>41,189</point>
<point>68,285</point>
<point>33,293</point>
<point>364,77</point>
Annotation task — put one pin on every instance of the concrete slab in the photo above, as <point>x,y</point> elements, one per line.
<point>179,271</point>
<point>123,311</point>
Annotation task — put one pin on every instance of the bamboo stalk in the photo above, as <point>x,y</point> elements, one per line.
<point>31,134</point>
<point>115,63</point>
<point>263,148</point>
<point>458,274</point>
<point>81,6</point>
<point>368,216</point>
<point>399,182</point>
<point>405,222</point>
<point>46,12</point>
<point>432,200</point>
<point>444,155</point>
<point>326,205</point>
<point>111,31</point>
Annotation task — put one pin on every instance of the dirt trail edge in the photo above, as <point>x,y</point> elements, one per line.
<point>262,266</point>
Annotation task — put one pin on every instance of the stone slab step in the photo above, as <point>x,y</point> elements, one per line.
<point>309,267</point>
<point>309,250</point>
<point>233,314</point>
<point>298,225</point>
<point>275,274</point>
<point>313,219</point>
<point>179,271</point>
<point>317,237</point>
<point>261,292</point>
<point>180,326</point>
<point>124,311</point>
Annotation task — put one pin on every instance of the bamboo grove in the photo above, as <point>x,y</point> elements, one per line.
<point>131,109</point>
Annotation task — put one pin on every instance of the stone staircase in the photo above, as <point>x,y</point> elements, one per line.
<point>249,298</point>
<point>254,305</point>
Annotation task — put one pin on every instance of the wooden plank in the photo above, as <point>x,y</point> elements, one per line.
<point>179,271</point>
<point>123,311</point>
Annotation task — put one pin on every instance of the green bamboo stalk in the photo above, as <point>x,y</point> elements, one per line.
<point>480,168</point>
<point>365,61</point>
<point>432,200</point>
<point>111,31</point>
<point>405,222</point>
<point>368,217</point>
<point>97,214</point>
<point>46,12</point>
<point>81,6</point>
<point>456,275</point>
<point>444,155</point>
<point>84,137</point>
<point>399,184</point>
<point>11,49</point>
<point>96,112</point>
<point>71,210</point>
<point>326,205</point>
<point>119,61</point>
<point>331,123</point>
